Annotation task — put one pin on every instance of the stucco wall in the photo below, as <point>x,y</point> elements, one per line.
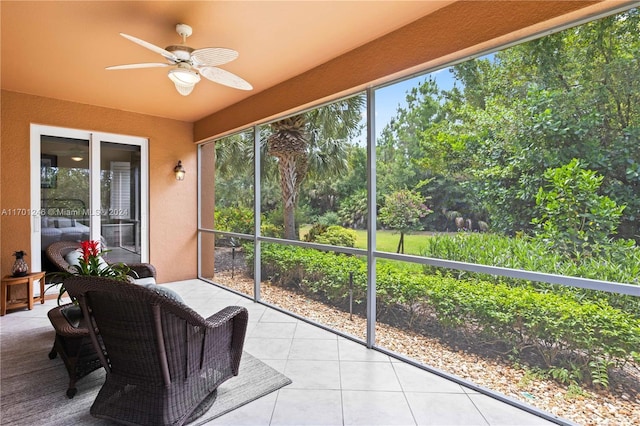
<point>172,204</point>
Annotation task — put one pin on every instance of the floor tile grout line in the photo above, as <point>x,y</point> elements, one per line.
<point>404,393</point>
<point>478,409</point>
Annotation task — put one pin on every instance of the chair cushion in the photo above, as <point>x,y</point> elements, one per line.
<point>164,291</point>
<point>64,222</point>
<point>73,259</point>
<point>144,281</point>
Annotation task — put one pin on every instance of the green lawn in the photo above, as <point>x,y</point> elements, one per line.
<point>386,240</point>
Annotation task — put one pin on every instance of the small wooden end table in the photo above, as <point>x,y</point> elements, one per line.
<point>27,280</point>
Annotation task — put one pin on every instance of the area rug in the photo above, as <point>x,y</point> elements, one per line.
<point>32,387</point>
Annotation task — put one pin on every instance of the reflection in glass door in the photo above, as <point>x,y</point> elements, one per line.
<point>120,207</point>
<point>64,191</point>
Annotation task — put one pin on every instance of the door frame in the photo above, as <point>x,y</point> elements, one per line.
<point>95,139</point>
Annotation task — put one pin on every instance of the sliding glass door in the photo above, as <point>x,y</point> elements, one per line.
<point>89,186</point>
<point>120,201</point>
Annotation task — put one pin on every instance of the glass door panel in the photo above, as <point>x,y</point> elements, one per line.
<point>64,191</point>
<point>120,201</point>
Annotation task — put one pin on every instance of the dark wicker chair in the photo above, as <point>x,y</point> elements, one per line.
<point>164,362</point>
<point>57,251</point>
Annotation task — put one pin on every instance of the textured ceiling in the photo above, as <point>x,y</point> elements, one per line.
<point>60,49</point>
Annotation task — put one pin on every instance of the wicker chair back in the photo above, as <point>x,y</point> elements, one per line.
<point>164,361</point>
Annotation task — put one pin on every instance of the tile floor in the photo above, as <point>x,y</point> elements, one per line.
<point>335,380</point>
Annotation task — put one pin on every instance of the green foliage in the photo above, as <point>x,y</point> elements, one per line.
<point>403,210</point>
<point>234,219</point>
<point>316,229</point>
<point>617,262</point>
<point>353,210</point>
<point>567,334</point>
<point>271,230</point>
<point>329,218</point>
<point>599,369</point>
<point>512,115</point>
<point>312,144</point>
<point>398,143</point>
<point>314,271</point>
<point>575,391</point>
<point>275,219</point>
<point>240,220</point>
<point>234,169</point>
<point>573,217</point>
<point>333,235</point>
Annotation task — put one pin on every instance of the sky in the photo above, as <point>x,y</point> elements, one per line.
<point>390,98</point>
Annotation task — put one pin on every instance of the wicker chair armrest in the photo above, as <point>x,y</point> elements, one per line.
<point>56,252</point>
<point>142,270</point>
<point>226,314</point>
<point>240,318</point>
<point>62,326</point>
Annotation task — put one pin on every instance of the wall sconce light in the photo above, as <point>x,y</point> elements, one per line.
<point>179,171</point>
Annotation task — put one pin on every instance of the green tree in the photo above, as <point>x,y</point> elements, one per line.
<point>402,212</point>
<point>399,153</point>
<point>574,94</point>
<point>573,217</point>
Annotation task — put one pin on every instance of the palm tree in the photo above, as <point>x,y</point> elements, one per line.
<point>234,171</point>
<point>312,143</point>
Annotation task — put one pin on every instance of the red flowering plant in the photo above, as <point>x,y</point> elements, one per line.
<point>90,262</point>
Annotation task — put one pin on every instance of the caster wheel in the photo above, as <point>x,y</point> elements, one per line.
<point>53,354</point>
<point>71,392</point>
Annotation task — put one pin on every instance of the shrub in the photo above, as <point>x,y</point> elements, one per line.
<point>403,210</point>
<point>566,333</point>
<point>271,230</point>
<point>617,262</point>
<point>353,210</point>
<point>573,217</point>
<point>315,230</point>
<point>234,219</point>
<point>332,235</point>
<point>329,218</point>
<point>240,220</point>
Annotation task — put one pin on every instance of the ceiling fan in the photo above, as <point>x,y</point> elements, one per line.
<point>189,64</point>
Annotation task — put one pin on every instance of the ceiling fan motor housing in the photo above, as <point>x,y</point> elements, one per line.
<point>182,52</point>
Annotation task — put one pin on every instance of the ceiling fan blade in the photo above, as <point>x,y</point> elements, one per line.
<point>212,56</point>
<point>151,47</point>
<point>221,76</point>
<point>133,66</point>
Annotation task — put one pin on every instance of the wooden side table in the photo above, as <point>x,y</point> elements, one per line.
<point>27,280</point>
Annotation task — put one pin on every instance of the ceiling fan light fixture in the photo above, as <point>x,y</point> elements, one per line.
<point>185,79</point>
<point>184,89</point>
<point>184,76</point>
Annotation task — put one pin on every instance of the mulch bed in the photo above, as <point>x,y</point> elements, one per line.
<point>619,405</point>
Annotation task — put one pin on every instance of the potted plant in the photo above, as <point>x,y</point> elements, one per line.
<point>91,263</point>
